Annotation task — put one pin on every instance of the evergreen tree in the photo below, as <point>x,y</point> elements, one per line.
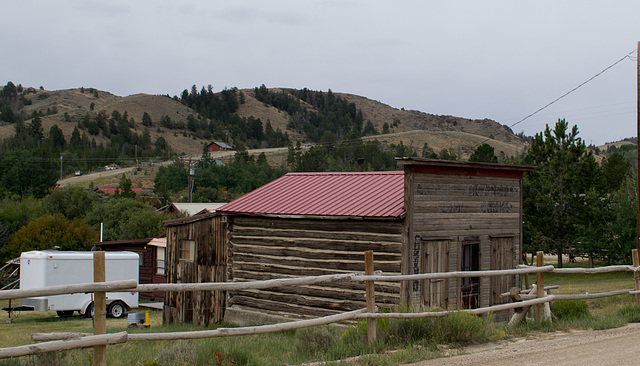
<point>146,120</point>
<point>56,136</point>
<point>484,153</point>
<point>428,152</point>
<point>552,201</point>
<point>35,129</point>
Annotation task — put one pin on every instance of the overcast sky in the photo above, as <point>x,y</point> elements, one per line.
<point>501,60</point>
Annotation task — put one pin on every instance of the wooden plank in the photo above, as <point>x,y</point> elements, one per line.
<point>435,259</point>
<point>450,207</point>
<point>456,232</point>
<point>326,244</point>
<point>426,200</point>
<point>455,283</point>
<point>391,266</point>
<point>485,264</point>
<point>308,301</point>
<point>462,228</point>
<point>308,253</point>
<point>477,216</point>
<point>453,223</point>
<point>282,307</point>
<point>372,226</point>
<point>365,236</point>
<point>462,179</point>
<point>68,344</point>
<point>99,308</point>
<point>334,294</point>
<point>358,287</point>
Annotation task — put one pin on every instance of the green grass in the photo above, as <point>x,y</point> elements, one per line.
<point>399,341</point>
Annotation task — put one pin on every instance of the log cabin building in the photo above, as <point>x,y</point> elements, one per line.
<point>434,216</point>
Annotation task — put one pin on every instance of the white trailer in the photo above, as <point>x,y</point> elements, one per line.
<point>55,268</point>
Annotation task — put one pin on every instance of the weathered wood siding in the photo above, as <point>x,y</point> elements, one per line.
<point>269,248</point>
<point>443,212</point>
<point>209,264</point>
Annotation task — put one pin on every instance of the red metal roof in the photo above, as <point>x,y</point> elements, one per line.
<point>369,194</point>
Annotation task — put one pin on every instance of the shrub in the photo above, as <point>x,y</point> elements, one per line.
<point>459,327</point>
<point>570,309</point>
<point>410,330</point>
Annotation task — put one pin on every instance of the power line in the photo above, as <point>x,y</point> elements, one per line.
<point>627,56</point>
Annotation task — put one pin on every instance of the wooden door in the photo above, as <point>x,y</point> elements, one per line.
<point>501,258</point>
<point>435,293</point>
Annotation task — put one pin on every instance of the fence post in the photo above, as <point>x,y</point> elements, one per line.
<point>540,287</point>
<point>99,308</point>
<point>371,299</point>
<point>636,275</point>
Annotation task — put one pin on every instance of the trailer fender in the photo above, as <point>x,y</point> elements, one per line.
<point>86,307</point>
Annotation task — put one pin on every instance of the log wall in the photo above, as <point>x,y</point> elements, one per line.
<point>268,248</point>
<point>209,264</point>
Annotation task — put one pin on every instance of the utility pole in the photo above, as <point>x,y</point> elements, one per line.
<point>190,182</point>
<point>637,144</point>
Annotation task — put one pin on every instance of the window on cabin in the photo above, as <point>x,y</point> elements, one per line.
<point>470,285</point>
<point>186,250</point>
<point>160,261</point>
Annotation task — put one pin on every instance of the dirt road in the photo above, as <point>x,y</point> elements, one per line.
<point>593,347</point>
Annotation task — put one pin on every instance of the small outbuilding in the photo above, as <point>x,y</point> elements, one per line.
<point>434,216</point>
<point>218,146</point>
<point>152,260</point>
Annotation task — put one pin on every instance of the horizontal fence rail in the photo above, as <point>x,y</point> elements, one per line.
<point>65,341</point>
<point>113,286</point>
<point>133,286</point>
<point>83,342</point>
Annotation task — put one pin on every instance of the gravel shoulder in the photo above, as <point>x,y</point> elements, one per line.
<point>579,347</point>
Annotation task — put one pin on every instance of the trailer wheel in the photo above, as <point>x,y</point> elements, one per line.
<point>64,313</point>
<point>116,309</point>
<point>89,312</point>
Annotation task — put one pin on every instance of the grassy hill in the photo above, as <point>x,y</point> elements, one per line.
<point>413,128</point>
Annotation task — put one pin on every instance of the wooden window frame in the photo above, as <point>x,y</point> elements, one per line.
<point>186,250</point>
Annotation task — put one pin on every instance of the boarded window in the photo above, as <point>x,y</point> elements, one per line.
<point>160,261</point>
<point>186,250</point>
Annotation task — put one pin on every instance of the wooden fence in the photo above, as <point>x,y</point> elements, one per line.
<point>99,340</point>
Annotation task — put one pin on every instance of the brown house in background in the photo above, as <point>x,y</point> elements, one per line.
<point>218,146</point>
<point>152,260</point>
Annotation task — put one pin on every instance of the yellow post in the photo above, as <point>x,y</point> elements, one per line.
<point>99,308</point>
<point>371,300</point>
<point>540,287</point>
<point>146,319</point>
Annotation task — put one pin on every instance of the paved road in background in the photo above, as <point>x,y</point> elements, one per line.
<point>106,173</point>
<point>576,348</point>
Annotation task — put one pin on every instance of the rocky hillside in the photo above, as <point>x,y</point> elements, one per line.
<point>439,131</point>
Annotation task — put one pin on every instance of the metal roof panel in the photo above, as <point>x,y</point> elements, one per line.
<point>369,194</point>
